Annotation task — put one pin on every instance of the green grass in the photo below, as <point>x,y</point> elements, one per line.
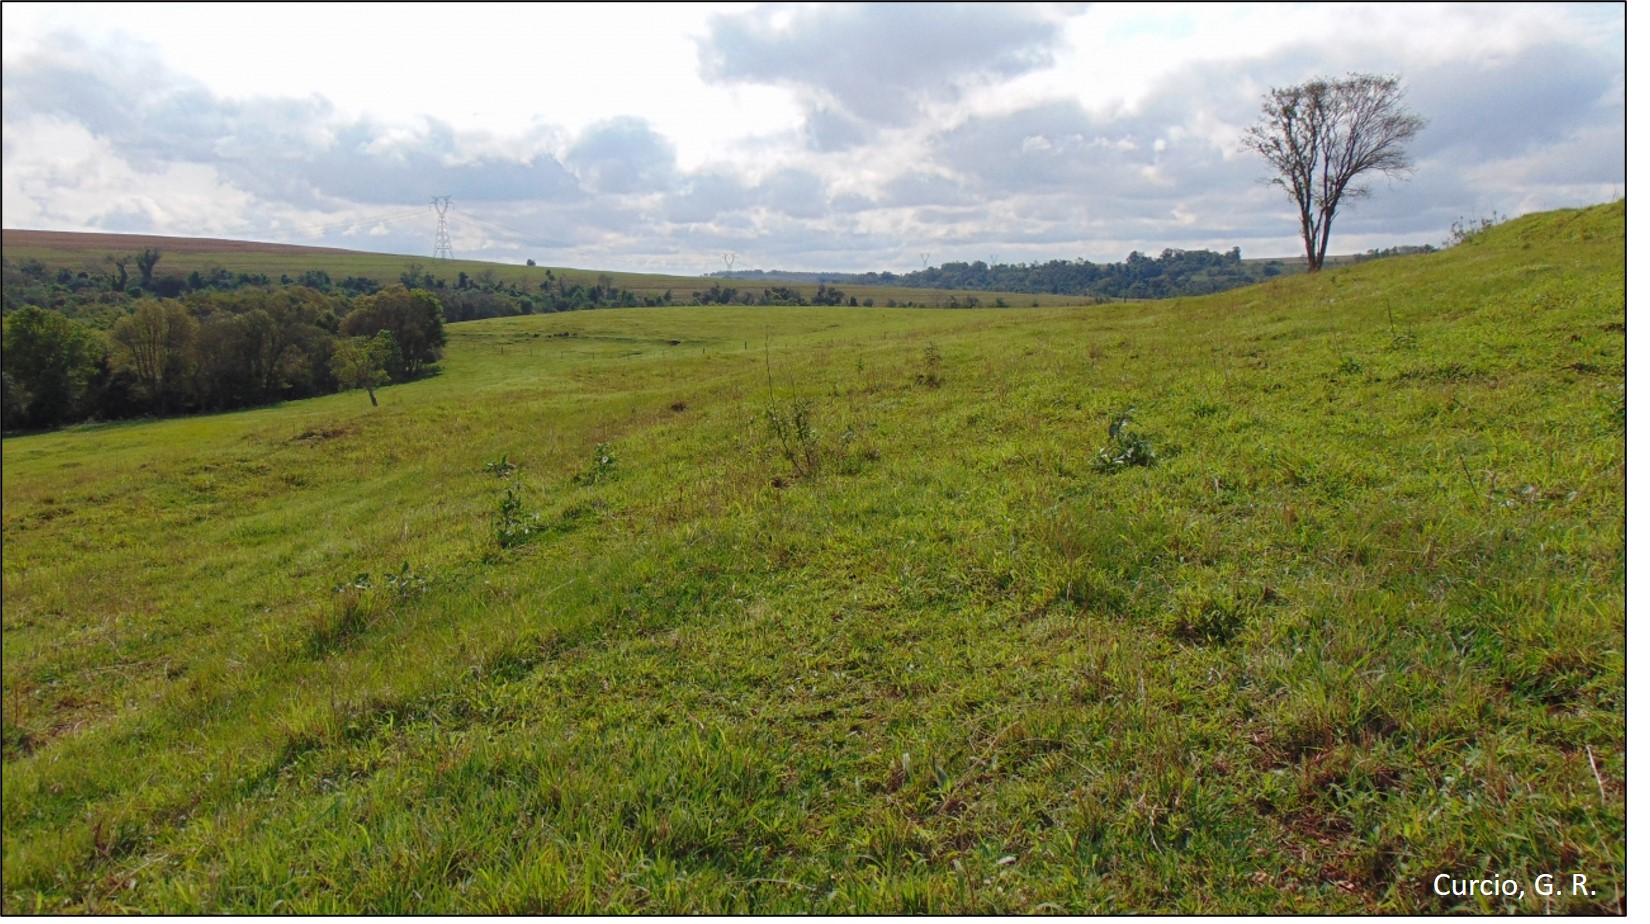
<point>1361,622</point>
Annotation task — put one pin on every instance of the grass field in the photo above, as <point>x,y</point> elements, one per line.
<point>837,610</point>
<point>180,256</point>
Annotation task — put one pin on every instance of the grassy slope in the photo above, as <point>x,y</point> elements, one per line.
<point>180,256</point>
<point>1361,624</point>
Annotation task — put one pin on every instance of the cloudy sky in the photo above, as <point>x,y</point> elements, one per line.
<point>793,136</point>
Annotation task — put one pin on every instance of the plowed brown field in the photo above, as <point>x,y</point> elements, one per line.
<point>77,240</point>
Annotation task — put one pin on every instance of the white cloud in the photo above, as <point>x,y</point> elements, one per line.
<point>658,137</point>
<point>59,176</point>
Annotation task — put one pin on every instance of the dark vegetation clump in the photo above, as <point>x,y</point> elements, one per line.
<point>1127,447</point>
<point>99,354</point>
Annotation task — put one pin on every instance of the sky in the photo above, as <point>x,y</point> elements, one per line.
<point>688,138</point>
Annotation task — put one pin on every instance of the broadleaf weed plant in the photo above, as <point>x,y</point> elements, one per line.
<point>513,524</point>
<point>1126,448</point>
<point>603,463</point>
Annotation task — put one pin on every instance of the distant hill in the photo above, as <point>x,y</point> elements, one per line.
<point>1171,274</point>
<point>99,243</point>
<point>80,252</point>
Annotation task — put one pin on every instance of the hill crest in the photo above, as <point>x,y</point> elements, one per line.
<point>98,241</point>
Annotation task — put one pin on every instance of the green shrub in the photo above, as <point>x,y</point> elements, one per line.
<point>513,524</point>
<point>930,375</point>
<point>791,424</point>
<point>1126,447</point>
<point>603,463</point>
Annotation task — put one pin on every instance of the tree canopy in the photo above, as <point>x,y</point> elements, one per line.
<point>48,361</point>
<point>1322,135</point>
<point>412,316</point>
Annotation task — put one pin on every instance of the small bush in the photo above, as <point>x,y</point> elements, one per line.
<point>930,375</point>
<point>1127,448</point>
<point>501,467</point>
<point>603,463</point>
<point>513,524</point>
<point>791,424</point>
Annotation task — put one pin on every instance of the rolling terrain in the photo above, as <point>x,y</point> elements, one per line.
<point>181,256</point>
<point>1284,600</point>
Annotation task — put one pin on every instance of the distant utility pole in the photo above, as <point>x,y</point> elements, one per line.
<point>443,240</point>
<point>730,259</point>
<point>924,259</point>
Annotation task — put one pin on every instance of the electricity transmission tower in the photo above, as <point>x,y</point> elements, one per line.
<point>730,259</point>
<point>443,240</point>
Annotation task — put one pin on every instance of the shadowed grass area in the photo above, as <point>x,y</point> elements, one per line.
<point>836,611</point>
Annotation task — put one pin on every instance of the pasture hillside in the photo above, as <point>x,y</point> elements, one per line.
<point>1285,600</point>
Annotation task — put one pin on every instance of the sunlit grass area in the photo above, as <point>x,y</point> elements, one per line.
<point>1283,600</point>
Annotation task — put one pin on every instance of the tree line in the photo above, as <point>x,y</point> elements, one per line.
<point>102,292</point>
<point>212,351</point>
<point>115,339</point>
<point>1172,273</point>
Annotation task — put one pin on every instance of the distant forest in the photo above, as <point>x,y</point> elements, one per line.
<point>1171,274</point>
<point>123,340</point>
<point>100,296</point>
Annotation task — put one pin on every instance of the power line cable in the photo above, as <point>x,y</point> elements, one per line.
<point>366,220</point>
<point>488,225</point>
<point>340,225</point>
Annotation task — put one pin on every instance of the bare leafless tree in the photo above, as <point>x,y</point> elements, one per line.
<point>1322,135</point>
